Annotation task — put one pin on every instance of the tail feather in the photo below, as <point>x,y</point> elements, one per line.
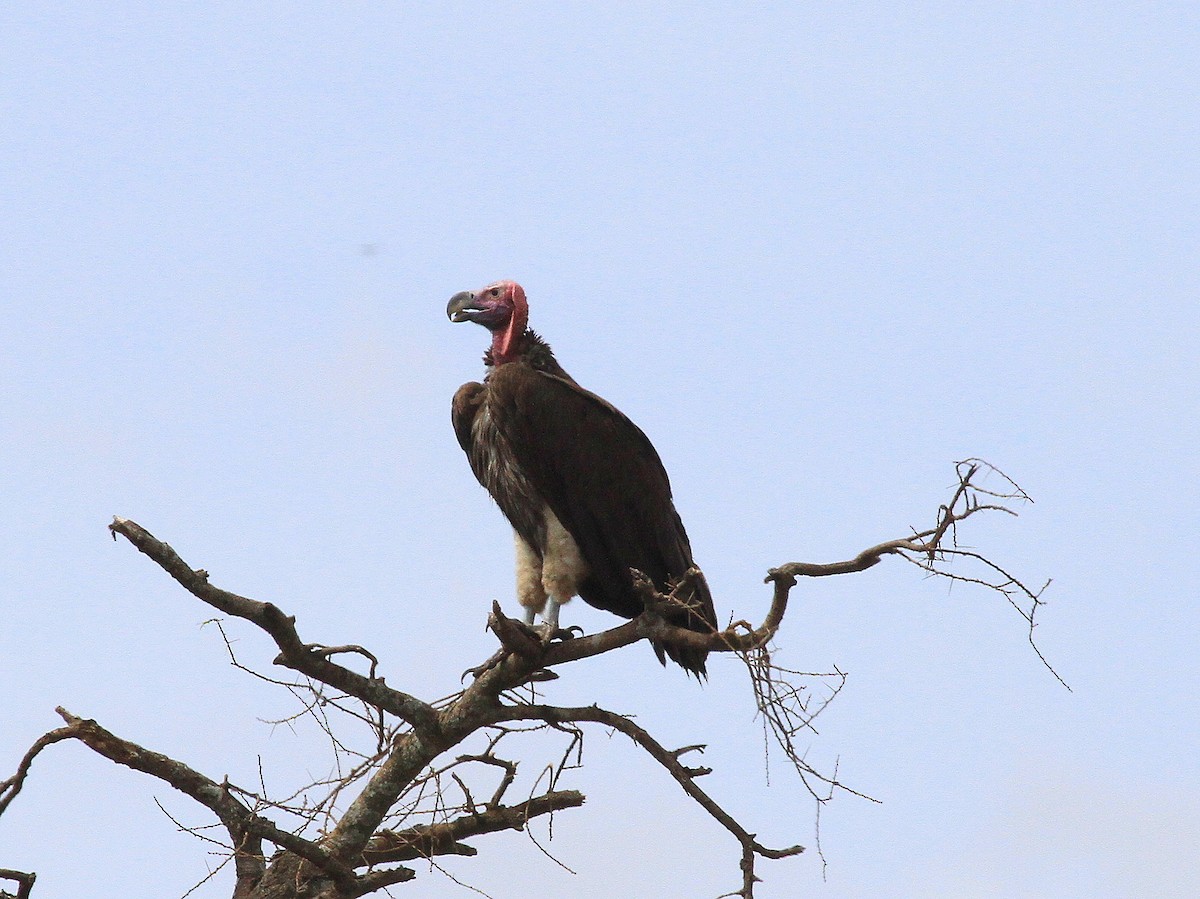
<point>699,616</point>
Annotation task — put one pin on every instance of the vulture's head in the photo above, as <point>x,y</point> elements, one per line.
<point>494,307</point>
<point>501,308</point>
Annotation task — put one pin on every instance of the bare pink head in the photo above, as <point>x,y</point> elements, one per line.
<point>501,308</point>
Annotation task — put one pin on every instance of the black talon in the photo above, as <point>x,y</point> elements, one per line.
<point>487,666</point>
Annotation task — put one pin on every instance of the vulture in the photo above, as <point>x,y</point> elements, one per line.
<point>581,485</point>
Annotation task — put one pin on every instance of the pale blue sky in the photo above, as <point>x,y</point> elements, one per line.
<point>817,252</point>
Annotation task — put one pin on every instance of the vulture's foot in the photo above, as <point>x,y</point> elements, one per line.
<point>541,674</point>
<point>548,632</point>
<point>525,639</point>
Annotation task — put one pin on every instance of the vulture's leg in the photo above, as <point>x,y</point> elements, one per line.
<point>550,619</point>
<point>563,569</point>
<point>549,629</point>
<point>530,592</point>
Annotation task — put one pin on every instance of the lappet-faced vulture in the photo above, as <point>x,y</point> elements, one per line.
<point>582,486</point>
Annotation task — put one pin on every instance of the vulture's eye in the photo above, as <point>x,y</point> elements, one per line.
<point>495,291</point>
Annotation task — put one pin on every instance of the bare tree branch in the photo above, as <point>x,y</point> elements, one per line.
<point>23,880</point>
<point>246,829</point>
<point>683,775</point>
<point>12,786</point>
<point>397,774</point>
<point>927,548</point>
<point>302,657</point>
<point>425,841</point>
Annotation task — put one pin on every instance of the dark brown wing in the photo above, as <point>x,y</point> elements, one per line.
<point>463,409</point>
<point>492,463</point>
<point>604,481</point>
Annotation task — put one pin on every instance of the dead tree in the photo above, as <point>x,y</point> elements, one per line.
<point>408,797</point>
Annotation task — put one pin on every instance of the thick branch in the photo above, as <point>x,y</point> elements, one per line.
<point>651,624</point>
<point>294,654</point>
<point>208,793</point>
<point>432,734</point>
<point>929,544</point>
<point>23,880</point>
<point>378,880</point>
<point>742,638</point>
<point>246,829</point>
<point>425,841</point>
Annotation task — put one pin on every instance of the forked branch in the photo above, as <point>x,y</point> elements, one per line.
<point>683,775</point>
<point>23,880</point>
<point>930,548</point>
<point>306,658</point>
<point>426,841</point>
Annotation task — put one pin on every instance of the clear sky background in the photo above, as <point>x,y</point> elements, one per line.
<point>818,252</point>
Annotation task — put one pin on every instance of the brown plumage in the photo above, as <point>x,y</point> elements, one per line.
<point>580,483</point>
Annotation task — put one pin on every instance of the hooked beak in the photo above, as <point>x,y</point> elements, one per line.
<point>461,305</point>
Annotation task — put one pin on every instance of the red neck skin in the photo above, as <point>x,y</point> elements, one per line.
<point>506,344</point>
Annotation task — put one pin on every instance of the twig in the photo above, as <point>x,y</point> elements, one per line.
<point>12,786</point>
